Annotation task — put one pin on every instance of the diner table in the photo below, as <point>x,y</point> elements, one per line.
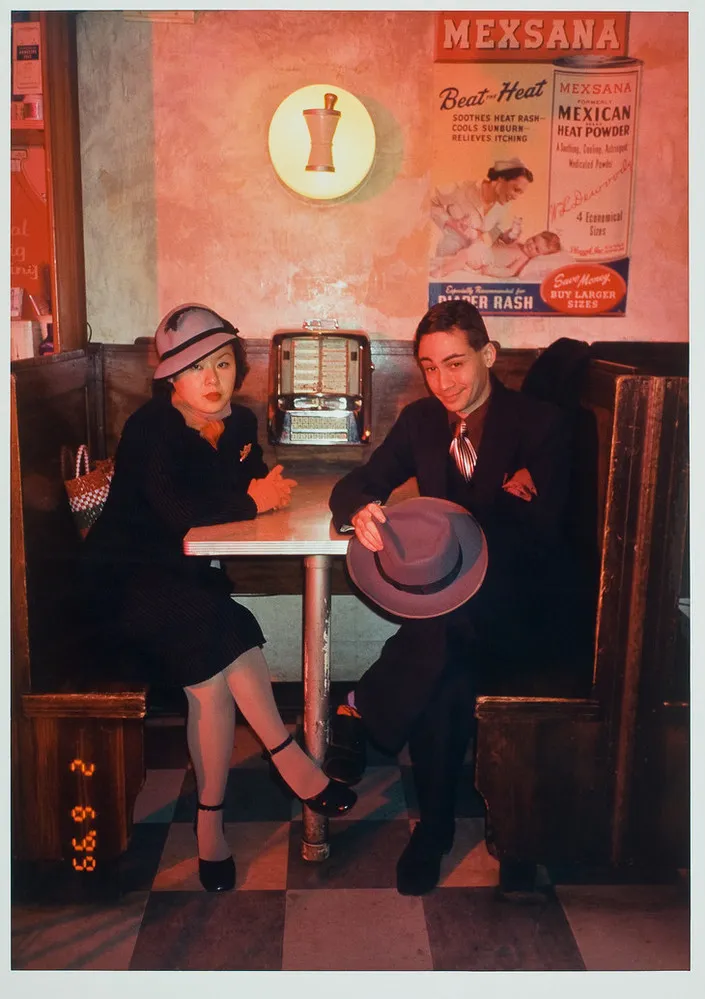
<point>303,528</point>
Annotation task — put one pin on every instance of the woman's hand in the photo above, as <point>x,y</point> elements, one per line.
<point>271,492</point>
<point>365,524</point>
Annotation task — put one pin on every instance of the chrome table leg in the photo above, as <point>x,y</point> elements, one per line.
<point>316,669</point>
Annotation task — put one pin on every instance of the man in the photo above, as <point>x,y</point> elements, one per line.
<point>504,457</point>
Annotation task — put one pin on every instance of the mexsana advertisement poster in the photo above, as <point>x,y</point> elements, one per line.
<point>534,140</point>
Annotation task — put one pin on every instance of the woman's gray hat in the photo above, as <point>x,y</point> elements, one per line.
<point>434,559</point>
<point>187,334</point>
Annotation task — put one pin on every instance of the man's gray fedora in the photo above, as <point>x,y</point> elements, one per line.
<point>434,559</point>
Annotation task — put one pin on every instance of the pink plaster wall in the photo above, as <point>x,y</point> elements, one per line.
<point>229,234</point>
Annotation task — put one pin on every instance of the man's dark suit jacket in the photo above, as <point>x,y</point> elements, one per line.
<point>519,432</point>
<point>515,613</point>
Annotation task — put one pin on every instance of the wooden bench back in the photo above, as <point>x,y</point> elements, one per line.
<point>122,381</point>
<point>576,779</point>
<point>643,550</point>
<point>52,398</point>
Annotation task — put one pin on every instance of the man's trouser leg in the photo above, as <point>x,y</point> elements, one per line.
<point>396,689</point>
<point>437,745</point>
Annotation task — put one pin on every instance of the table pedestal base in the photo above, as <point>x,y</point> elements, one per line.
<point>316,669</point>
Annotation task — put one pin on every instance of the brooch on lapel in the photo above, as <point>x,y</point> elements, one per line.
<point>244,451</point>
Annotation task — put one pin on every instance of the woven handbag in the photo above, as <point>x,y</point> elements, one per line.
<point>88,489</point>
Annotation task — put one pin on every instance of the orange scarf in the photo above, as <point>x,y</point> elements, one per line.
<point>209,425</point>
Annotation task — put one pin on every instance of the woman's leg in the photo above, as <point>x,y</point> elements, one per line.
<point>248,679</point>
<point>210,733</point>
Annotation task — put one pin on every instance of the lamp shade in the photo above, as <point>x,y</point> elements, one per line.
<point>293,145</point>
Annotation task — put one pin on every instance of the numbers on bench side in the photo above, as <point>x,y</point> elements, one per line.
<point>86,845</point>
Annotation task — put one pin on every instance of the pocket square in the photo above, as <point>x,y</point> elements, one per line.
<point>520,484</point>
<point>244,451</point>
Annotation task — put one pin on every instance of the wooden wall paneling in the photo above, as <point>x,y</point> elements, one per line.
<point>39,805</point>
<point>647,357</point>
<point>18,582</point>
<point>64,193</point>
<point>52,411</point>
<point>656,829</point>
<point>96,402</point>
<point>623,608</point>
<point>127,384</point>
<point>599,403</point>
<point>19,632</point>
<point>664,673</point>
<point>638,528</point>
<point>513,363</point>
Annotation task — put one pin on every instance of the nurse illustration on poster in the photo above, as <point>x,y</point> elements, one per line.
<point>479,213</point>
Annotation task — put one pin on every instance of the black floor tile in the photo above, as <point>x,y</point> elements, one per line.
<point>250,796</point>
<point>221,931</point>
<point>139,865</point>
<point>470,929</point>
<point>362,855</point>
<point>56,883</point>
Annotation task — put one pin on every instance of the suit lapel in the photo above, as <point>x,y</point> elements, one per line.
<point>497,447</point>
<point>433,442</point>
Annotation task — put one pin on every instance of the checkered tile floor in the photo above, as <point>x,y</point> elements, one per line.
<point>343,914</point>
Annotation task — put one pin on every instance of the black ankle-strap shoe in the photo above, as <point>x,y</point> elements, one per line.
<point>334,800</point>
<point>215,875</point>
<point>346,756</point>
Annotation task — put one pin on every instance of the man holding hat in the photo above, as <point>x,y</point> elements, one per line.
<point>473,566</point>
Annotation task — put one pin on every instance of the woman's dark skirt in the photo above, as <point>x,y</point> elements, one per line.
<point>167,624</point>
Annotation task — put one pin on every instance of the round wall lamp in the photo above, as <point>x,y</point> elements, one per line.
<point>322,142</point>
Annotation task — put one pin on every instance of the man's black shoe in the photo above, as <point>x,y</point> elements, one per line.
<point>346,757</point>
<point>419,867</point>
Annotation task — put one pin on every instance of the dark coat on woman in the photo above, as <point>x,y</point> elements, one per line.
<point>171,615</point>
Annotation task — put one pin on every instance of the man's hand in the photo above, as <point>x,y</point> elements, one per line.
<point>272,492</point>
<point>365,523</point>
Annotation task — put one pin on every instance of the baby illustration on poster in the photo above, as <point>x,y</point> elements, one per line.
<point>532,176</point>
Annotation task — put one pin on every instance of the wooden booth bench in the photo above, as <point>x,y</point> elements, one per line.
<point>578,778</point>
<point>600,778</point>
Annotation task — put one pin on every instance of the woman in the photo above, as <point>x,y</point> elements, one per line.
<point>186,458</point>
<point>479,211</point>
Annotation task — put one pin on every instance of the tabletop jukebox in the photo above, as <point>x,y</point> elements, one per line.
<point>319,386</point>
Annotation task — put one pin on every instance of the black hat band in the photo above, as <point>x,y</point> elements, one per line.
<point>425,589</point>
<point>195,339</point>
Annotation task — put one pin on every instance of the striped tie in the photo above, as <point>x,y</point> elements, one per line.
<point>464,454</point>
